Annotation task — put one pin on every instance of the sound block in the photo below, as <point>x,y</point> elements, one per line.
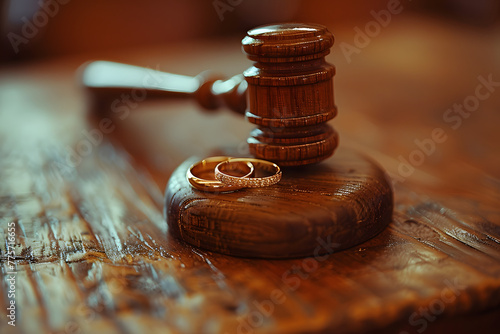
<point>343,201</point>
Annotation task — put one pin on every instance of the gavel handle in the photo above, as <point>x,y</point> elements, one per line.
<point>106,79</point>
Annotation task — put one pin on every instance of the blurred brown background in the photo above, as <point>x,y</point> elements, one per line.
<point>45,28</point>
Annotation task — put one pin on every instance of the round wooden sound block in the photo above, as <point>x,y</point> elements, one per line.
<point>314,209</point>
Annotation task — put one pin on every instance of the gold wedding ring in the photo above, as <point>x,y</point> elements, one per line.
<point>201,174</point>
<point>224,171</point>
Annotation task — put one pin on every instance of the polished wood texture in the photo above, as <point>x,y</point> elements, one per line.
<point>290,93</point>
<point>93,254</point>
<point>105,81</point>
<point>345,200</point>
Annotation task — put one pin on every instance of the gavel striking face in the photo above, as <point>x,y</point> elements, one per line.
<point>287,93</point>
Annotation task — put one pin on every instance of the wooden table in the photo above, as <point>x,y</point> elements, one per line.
<point>92,250</point>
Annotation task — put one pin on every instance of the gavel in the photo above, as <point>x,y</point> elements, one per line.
<point>287,93</point>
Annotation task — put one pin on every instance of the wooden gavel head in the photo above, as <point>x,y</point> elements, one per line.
<point>290,93</point>
<point>287,93</point>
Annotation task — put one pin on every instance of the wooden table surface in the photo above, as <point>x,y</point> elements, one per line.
<point>92,250</point>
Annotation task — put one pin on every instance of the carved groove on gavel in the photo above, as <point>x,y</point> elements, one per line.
<point>289,90</point>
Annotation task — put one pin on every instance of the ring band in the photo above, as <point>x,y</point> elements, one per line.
<point>222,169</point>
<point>200,175</point>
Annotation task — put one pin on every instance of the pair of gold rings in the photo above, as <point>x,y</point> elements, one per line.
<point>225,174</point>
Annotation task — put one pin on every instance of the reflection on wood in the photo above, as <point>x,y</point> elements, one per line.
<point>340,203</point>
<point>93,253</point>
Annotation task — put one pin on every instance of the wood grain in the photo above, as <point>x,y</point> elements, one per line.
<point>340,203</point>
<point>290,89</point>
<point>93,253</point>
